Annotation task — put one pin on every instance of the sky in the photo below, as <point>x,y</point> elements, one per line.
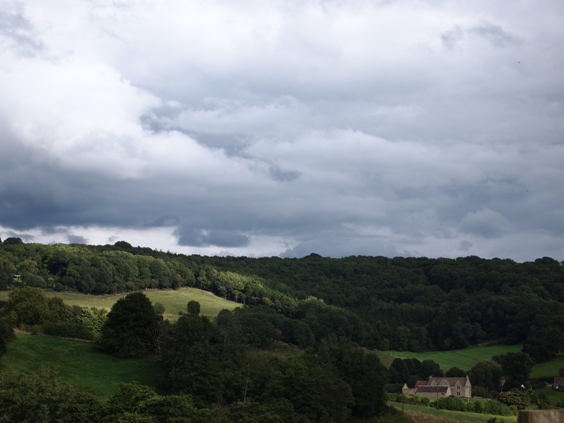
<point>254,128</point>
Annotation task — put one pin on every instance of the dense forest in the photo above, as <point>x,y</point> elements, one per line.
<point>224,371</point>
<point>397,303</point>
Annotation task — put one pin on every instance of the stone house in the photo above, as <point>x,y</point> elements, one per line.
<point>441,387</point>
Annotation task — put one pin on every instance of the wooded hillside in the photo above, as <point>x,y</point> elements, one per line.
<point>386,303</point>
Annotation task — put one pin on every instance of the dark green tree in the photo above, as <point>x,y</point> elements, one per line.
<point>314,387</point>
<point>27,306</point>
<point>366,376</point>
<point>544,344</point>
<point>190,360</point>
<point>44,397</point>
<point>455,372</point>
<point>487,374</point>
<point>193,307</point>
<point>6,334</point>
<point>516,366</point>
<point>127,330</point>
<point>13,241</point>
<point>159,308</point>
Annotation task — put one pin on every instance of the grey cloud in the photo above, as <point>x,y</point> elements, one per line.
<point>495,34</point>
<point>77,239</point>
<point>451,37</point>
<point>486,223</point>
<point>344,246</point>
<point>16,29</point>
<point>465,245</point>
<point>214,237</point>
<point>353,144</point>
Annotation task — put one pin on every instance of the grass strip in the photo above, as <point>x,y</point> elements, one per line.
<point>458,416</point>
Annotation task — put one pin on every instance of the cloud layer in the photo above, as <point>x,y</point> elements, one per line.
<point>283,128</point>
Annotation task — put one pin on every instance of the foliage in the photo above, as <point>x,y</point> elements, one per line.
<point>366,377</point>
<point>190,360</point>
<point>455,372</point>
<point>127,330</point>
<point>410,370</point>
<point>159,308</point>
<point>28,307</point>
<point>486,374</point>
<point>68,330</point>
<point>544,344</point>
<point>516,366</point>
<point>193,307</point>
<point>13,241</point>
<point>146,405</point>
<point>6,334</point>
<point>519,399</point>
<point>44,397</point>
<point>414,304</point>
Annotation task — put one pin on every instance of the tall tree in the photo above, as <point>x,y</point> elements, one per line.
<point>516,366</point>
<point>544,344</point>
<point>127,330</point>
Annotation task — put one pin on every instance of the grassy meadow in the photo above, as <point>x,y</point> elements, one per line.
<point>548,369</point>
<point>77,362</point>
<point>174,301</point>
<point>463,359</point>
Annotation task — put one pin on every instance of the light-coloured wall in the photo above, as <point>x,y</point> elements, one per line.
<point>541,416</point>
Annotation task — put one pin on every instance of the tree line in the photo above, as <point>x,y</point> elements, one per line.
<point>206,371</point>
<point>413,304</point>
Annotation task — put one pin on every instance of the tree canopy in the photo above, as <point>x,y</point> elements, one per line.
<point>127,330</point>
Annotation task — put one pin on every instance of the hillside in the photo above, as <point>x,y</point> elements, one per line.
<point>174,301</point>
<point>401,304</point>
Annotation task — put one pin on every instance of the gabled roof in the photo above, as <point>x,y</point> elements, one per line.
<point>449,381</point>
<point>420,383</point>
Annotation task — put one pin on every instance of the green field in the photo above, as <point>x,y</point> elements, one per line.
<point>77,362</point>
<point>463,359</point>
<point>548,369</point>
<point>173,300</point>
<point>455,415</point>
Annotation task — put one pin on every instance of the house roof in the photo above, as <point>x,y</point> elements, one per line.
<point>420,383</point>
<point>558,379</point>
<point>449,381</point>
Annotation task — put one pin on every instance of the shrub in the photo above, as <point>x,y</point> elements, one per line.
<point>518,399</point>
<point>68,330</point>
<point>451,403</point>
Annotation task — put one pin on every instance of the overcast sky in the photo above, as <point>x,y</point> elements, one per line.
<point>281,128</point>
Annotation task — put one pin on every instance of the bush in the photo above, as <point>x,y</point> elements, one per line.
<point>518,399</point>
<point>68,330</point>
<point>451,403</point>
<point>393,387</point>
<point>482,392</point>
<point>495,407</point>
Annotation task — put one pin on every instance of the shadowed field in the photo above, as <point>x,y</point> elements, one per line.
<point>77,362</point>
